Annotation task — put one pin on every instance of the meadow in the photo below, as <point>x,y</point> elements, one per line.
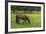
<point>34,21</point>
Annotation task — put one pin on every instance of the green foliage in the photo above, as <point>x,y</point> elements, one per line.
<point>28,9</point>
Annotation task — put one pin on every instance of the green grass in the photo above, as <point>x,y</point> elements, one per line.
<point>34,21</point>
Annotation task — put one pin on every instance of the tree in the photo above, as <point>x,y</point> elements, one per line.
<point>25,9</point>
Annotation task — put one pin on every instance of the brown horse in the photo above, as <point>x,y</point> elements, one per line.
<point>22,17</point>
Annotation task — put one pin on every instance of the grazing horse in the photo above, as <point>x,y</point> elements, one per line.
<point>22,17</point>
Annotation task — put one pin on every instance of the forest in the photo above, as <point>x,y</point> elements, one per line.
<point>25,9</point>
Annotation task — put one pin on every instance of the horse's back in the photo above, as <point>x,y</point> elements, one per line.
<point>22,16</point>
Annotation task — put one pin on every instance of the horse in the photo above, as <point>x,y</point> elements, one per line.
<point>22,17</point>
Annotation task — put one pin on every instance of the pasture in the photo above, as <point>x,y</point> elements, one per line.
<point>34,21</point>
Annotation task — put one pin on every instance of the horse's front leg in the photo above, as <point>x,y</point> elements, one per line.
<point>28,21</point>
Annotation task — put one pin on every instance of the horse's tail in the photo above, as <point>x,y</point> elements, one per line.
<point>28,20</point>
